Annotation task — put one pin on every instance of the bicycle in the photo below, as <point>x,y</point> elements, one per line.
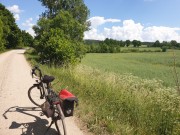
<point>56,106</point>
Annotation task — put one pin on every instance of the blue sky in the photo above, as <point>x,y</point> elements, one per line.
<point>145,20</point>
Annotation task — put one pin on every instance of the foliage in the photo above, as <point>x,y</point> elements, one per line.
<point>60,51</point>
<point>1,36</point>
<point>173,43</point>
<point>157,44</point>
<point>128,42</point>
<point>169,45</point>
<point>59,33</point>
<point>10,35</point>
<point>10,29</point>
<point>164,48</point>
<point>27,39</point>
<point>116,46</point>
<point>136,43</point>
<point>78,9</point>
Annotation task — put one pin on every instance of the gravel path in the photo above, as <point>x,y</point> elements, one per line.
<point>21,116</point>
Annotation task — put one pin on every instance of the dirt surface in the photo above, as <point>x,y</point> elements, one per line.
<point>18,115</point>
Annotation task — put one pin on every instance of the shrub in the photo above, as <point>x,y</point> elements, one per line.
<point>164,49</point>
<point>60,39</point>
<point>60,51</point>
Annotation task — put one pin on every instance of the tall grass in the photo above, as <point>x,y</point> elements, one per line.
<point>120,104</point>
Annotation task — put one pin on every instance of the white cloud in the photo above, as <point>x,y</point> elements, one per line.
<point>93,34</point>
<point>131,30</point>
<point>37,17</point>
<point>161,33</point>
<point>14,9</point>
<point>16,16</point>
<point>97,20</point>
<point>31,31</point>
<point>29,24</point>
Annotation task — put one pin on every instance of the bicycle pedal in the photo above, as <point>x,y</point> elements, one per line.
<point>41,114</point>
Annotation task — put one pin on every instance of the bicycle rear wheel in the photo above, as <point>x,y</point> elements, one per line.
<point>34,95</point>
<point>60,123</point>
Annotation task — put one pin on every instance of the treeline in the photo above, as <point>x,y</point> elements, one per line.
<point>10,34</point>
<point>109,45</point>
<point>168,45</point>
<point>114,46</point>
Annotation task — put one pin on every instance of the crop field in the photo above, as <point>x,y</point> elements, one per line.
<point>154,65</point>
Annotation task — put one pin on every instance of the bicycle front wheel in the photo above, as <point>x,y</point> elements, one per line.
<point>60,123</point>
<point>35,96</point>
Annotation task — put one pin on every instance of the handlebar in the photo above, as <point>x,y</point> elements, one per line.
<point>37,68</point>
<point>34,73</point>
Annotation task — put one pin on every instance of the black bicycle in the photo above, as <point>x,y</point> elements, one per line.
<point>53,105</point>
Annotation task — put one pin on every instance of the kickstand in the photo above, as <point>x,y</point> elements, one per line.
<point>52,122</point>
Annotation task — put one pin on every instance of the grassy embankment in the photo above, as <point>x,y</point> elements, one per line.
<point>112,103</point>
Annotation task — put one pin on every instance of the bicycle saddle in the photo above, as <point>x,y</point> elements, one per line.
<point>47,79</point>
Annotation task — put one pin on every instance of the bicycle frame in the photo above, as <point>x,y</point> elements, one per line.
<point>44,90</point>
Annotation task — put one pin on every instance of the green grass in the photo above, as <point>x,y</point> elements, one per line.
<point>157,65</point>
<point>119,104</point>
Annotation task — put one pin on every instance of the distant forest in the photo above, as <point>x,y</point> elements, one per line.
<point>114,46</point>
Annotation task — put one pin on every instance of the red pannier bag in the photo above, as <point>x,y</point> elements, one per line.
<point>67,102</point>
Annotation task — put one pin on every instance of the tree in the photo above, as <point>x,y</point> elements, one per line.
<point>60,31</point>
<point>157,44</point>
<point>165,44</point>
<point>178,45</point>
<point>27,39</point>
<point>59,39</point>
<point>54,46</point>
<point>128,42</point>
<point>76,8</point>
<point>173,43</point>
<point>136,43</point>
<point>104,48</point>
<point>1,35</point>
<point>11,32</point>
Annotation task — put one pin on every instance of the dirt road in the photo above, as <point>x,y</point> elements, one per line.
<point>21,117</point>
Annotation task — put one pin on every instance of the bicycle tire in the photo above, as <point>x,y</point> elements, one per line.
<point>34,96</point>
<point>60,123</point>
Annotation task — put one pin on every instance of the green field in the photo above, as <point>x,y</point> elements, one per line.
<point>114,102</point>
<point>158,65</point>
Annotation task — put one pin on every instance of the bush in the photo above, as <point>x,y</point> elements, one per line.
<point>60,51</point>
<point>59,39</point>
<point>164,49</point>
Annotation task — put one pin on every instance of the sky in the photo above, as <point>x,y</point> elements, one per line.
<point>144,20</point>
